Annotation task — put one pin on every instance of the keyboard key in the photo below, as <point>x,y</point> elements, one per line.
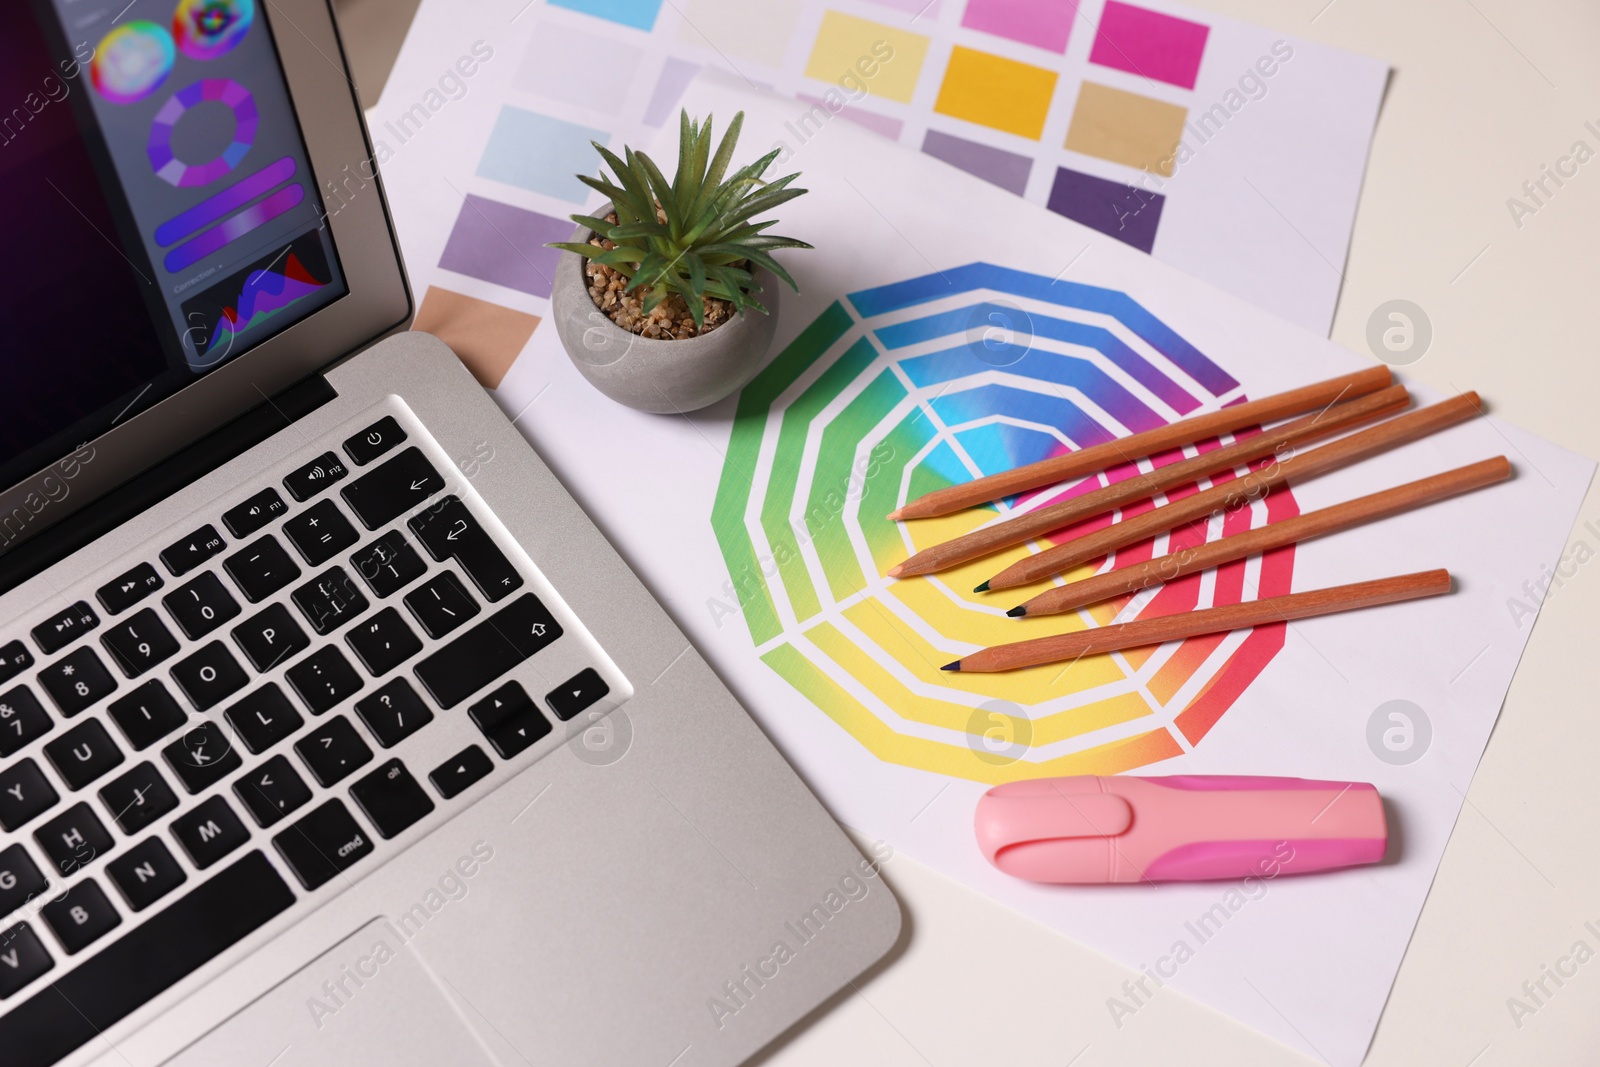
<point>469,765</point>
<point>81,916</point>
<point>22,959</point>
<point>270,638</point>
<point>145,873</point>
<point>20,880</point>
<point>264,718</point>
<point>402,483</point>
<point>333,750</point>
<point>145,961</point>
<point>261,569</point>
<point>315,476</point>
<point>329,601</point>
<point>393,713</point>
<point>140,643</point>
<point>323,679</point>
<point>449,531</point>
<point>201,606</point>
<point>242,520</point>
<point>77,680</point>
<point>202,757</point>
<point>24,793</point>
<point>389,564</point>
<point>576,693</point>
<point>441,604</point>
<point>272,791</point>
<point>488,650</point>
<point>323,844</point>
<point>374,441</point>
<point>64,627</point>
<point>209,832</point>
<point>147,714</point>
<point>14,659</point>
<point>383,642</point>
<point>193,550</point>
<point>209,676</point>
<point>509,719</point>
<point>124,592</point>
<point>391,799</point>
<point>83,754</point>
<point>22,720</point>
<point>74,839</point>
<point>138,798</point>
<point>320,533</point>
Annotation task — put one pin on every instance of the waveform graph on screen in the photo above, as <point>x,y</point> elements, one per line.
<point>899,390</point>
<point>253,297</point>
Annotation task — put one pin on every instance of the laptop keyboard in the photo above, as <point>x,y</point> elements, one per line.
<point>256,710</point>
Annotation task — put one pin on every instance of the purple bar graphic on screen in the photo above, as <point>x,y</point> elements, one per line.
<point>505,245</point>
<point>234,196</point>
<point>994,165</point>
<point>1126,212</point>
<point>1150,44</point>
<point>225,234</point>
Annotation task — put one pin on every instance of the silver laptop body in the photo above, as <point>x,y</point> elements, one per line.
<point>331,729</point>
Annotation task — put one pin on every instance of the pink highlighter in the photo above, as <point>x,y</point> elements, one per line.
<point>1088,830</point>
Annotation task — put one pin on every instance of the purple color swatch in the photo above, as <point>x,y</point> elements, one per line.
<point>1126,212</point>
<point>676,74</point>
<point>236,195</point>
<point>219,237</point>
<point>505,245</point>
<point>994,165</point>
<point>1041,23</point>
<point>1149,43</point>
<point>879,124</point>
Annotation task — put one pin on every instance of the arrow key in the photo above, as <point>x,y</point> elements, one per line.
<point>272,790</point>
<point>459,772</point>
<point>509,719</point>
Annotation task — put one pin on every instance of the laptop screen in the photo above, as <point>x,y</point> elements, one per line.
<point>160,213</point>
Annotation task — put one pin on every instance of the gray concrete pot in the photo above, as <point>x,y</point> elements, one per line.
<point>648,373</point>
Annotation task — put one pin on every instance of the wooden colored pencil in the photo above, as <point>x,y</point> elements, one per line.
<point>1301,528</point>
<point>1183,432</point>
<point>1400,430</point>
<point>1025,527</point>
<point>1143,632</point>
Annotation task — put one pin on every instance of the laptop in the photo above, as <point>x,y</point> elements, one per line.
<point>331,729</point>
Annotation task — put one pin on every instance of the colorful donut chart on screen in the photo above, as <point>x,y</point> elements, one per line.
<point>206,29</point>
<point>131,62</point>
<point>168,167</point>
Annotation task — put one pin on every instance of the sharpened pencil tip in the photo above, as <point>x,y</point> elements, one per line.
<point>896,515</point>
<point>1019,611</point>
<point>953,665</point>
<point>982,587</point>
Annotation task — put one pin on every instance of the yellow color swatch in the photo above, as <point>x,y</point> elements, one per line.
<point>996,92</point>
<point>487,337</point>
<point>854,52</point>
<point>1126,128</point>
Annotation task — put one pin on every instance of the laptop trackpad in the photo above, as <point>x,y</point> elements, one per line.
<point>369,999</point>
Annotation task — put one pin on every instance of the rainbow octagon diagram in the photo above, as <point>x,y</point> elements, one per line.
<point>909,387</point>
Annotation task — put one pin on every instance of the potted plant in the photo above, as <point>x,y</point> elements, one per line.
<point>655,295</point>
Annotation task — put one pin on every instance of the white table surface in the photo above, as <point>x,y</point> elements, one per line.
<point>1483,94</point>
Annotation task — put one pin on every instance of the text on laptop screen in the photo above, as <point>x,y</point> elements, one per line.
<point>161,215</point>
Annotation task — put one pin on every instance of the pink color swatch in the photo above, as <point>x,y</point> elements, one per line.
<point>1149,43</point>
<point>1041,23</point>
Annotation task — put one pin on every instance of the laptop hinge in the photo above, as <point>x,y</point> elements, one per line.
<point>162,480</point>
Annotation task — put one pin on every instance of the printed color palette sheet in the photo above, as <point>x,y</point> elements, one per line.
<point>1180,133</point>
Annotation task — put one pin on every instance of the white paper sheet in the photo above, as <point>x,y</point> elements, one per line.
<point>1309,960</point>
